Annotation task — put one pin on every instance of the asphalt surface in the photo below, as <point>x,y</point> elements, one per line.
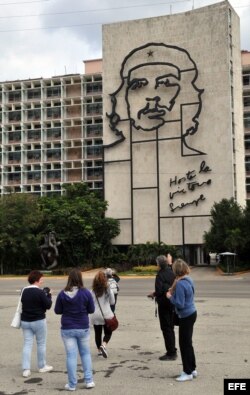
<point>221,341</point>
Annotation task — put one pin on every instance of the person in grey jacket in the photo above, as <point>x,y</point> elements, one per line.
<point>181,295</point>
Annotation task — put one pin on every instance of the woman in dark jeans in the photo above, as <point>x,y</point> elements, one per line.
<point>103,298</point>
<point>182,296</point>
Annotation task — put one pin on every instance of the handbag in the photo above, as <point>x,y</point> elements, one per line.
<point>16,322</point>
<point>111,323</point>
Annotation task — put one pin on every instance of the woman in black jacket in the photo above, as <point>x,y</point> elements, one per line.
<point>35,302</point>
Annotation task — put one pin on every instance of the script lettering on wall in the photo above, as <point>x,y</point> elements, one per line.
<point>187,186</point>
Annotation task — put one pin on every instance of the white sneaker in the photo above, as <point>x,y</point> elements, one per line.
<point>46,369</point>
<point>90,385</point>
<point>68,388</point>
<point>185,377</point>
<point>195,374</point>
<point>104,351</point>
<point>26,373</point>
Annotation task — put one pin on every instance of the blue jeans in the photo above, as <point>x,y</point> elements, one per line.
<point>39,330</point>
<point>77,340</point>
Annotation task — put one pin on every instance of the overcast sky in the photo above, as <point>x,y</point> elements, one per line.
<point>42,38</point>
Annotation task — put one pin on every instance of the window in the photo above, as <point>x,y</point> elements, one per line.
<point>53,112</point>
<point>94,172</point>
<point>54,91</point>
<point>247,123</point>
<point>94,151</point>
<point>34,94</point>
<point>247,144</point>
<point>14,177</point>
<point>54,154</point>
<point>14,116</point>
<point>94,108</point>
<point>15,156</point>
<point>15,96</point>
<point>34,114</point>
<point>34,176</point>
<point>34,134</point>
<point>34,155</point>
<point>14,136</point>
<point>94,87</point>
<point>246,80</point>
<point>246,101</point>
<point>94,129</point>
<point>54,174</point>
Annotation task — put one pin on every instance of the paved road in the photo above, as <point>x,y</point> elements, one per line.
<point>209,283</point>
<point>221,340</point>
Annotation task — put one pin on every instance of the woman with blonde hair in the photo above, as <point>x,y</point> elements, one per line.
<point>103,298</point>
<point>181,295</point>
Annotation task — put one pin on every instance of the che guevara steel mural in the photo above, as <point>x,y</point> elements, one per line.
<point>159,98</point>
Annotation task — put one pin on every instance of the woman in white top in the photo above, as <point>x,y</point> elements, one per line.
<point>103,297</point>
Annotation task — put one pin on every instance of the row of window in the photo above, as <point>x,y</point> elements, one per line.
<point>55,188</point>
<point>52,112</point>
<point>36,93</point>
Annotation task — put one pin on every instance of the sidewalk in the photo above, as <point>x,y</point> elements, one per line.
<point>221,341</point>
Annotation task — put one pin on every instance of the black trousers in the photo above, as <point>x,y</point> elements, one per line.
<point>167,328</point>
<point>98,334</point>
<point>186,345</point>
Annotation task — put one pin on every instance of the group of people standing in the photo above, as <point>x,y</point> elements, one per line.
<point>80,307</point>
<point>174,294</point>
<point>75,304</point>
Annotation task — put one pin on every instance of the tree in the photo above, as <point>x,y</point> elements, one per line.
<point>78,218</point>
<point>245,231</point>
<point>145,254</point>
<point>21,220</point>
<point>226,230</point>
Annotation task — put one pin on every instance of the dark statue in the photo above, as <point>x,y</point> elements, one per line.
<point>49,251</point>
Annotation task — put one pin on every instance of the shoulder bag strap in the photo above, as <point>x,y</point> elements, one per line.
<point>18,309</point>
<point>99,305</point>
<point>20,297</point>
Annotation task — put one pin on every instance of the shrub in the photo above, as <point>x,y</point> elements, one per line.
<point>145,269</point>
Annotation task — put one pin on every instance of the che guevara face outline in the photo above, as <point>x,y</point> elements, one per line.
<point>150,95</point>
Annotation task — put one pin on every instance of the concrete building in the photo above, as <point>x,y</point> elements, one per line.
<point>245,56</point>
<point>51,132</point>
<point>173,131</point>
<point>167,104</point>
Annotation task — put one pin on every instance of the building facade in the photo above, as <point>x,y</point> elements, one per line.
<point>51,132</point>
<point>162,112</point>
<point>245,56</point>
<point>173,131</point>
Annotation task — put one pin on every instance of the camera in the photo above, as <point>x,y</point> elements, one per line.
<point>46,290</point>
